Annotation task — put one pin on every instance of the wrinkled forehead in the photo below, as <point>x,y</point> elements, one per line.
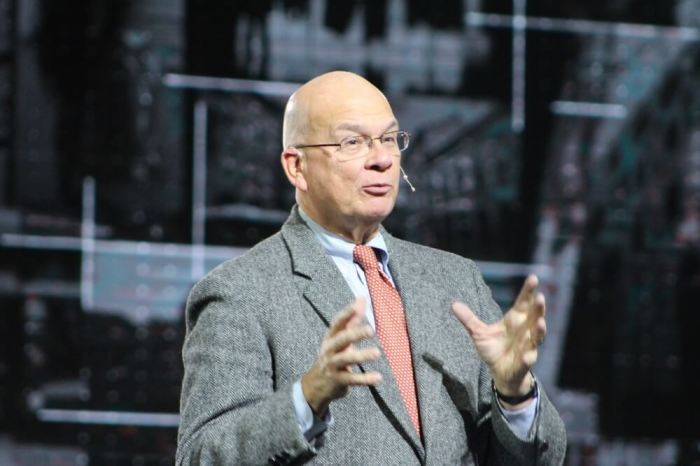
<point>341,110</point>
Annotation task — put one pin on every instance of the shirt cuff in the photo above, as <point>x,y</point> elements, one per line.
<point>520,421</point>
<point>311,426</point>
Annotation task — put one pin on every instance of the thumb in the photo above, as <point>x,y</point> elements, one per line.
<point>465,315</point>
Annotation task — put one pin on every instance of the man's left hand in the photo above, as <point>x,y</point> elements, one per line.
<point>509,346</point>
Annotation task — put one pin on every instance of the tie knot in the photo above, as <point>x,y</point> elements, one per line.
<point>365,256</point>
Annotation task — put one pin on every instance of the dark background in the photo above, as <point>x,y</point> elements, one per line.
<point>139,146</point>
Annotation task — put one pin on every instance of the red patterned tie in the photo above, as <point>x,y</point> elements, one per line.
<point>390,322</point>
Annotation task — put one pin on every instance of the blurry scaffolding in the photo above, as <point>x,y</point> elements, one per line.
<point>620,212</point>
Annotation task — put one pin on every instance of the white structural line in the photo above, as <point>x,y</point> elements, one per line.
<point>558,320</point>
<point>519,24</point>
<point>207,83</point>
<point>510,269</point>
<point>87,245</point>
<point>589,109</point>
<point>580,26</point>
<point>143,248</point>
<point>199,187</point>
<point>135,248</point>
<point>56,243</point>
<point>115,418</point>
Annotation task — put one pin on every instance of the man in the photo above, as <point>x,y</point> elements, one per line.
<point>333,342</point>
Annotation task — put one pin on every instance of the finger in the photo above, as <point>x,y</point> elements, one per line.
<point>344,317</point>
<point>359,378</point>
<point>526,292</point>
<point>530,358</point>
<point>533,336</point>
<point>537,309</point>
<point>540,304</point>
<point>359,305</point>
<point>348,358</point>
<point>465,315</point>
<point>541,325</point>
<point>346,337</point>
<point>540,330</point>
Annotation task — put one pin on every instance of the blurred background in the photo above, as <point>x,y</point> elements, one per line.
<point>139,146</point>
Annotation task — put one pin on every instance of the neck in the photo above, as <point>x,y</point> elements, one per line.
<point>360,235</point>
<point>356,233</point>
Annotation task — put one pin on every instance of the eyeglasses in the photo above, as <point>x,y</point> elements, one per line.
<point>353,147</point>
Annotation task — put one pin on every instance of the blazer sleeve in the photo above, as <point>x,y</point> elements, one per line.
<point>546,441</point>
<point>231,412</point>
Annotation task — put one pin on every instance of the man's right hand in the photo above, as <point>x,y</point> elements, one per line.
<point>331,375</point>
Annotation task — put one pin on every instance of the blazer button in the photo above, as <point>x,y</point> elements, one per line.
<point>544,446</point>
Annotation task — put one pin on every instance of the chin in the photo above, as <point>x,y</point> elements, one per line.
<point>378,213</point>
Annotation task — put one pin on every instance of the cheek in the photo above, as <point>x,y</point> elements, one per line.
<point>351,176</point>
<point>339,181</point>
<point>345,176</point>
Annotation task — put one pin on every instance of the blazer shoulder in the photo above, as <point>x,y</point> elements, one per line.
<point>433,257</point>
<point>242,279</point>
<point>251,269</point>
<point>457,276</point>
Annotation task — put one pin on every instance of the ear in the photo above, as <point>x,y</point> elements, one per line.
<point>293,166</point>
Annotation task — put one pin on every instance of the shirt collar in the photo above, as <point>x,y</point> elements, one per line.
<point>337,246</point>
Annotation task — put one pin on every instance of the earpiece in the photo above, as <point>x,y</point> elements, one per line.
<point>405,177</point>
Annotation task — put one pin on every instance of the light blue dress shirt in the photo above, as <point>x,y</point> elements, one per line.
<point>340,250</point>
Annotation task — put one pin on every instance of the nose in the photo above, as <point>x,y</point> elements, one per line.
<point>379,158</point>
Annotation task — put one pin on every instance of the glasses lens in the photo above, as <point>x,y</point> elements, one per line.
<point>395,140</point>
<point>353,145</point>
<point>389,140</point>
<point>358,146</point>
<point>402,140</point>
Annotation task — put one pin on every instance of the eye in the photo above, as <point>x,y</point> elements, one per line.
<point>352,144</point>
<point>389,139</point>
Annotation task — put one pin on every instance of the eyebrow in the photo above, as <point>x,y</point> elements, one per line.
<point>359,129</point>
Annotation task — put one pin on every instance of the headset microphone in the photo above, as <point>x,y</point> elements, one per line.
<point>405,177</point>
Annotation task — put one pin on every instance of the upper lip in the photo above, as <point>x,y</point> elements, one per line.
<point>372,185</point>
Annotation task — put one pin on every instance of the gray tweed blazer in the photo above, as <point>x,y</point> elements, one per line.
<point>255,325</point>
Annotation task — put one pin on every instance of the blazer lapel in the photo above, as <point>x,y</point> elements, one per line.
<point>389,397</point>
<point>314,272</point>
<point>424,323</point>
<point>324,287</point>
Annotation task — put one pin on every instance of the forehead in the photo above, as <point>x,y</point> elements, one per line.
<point>359,114</point>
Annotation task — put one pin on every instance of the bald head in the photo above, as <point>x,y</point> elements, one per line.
<point>349,197</point>
<point>324,100</point>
